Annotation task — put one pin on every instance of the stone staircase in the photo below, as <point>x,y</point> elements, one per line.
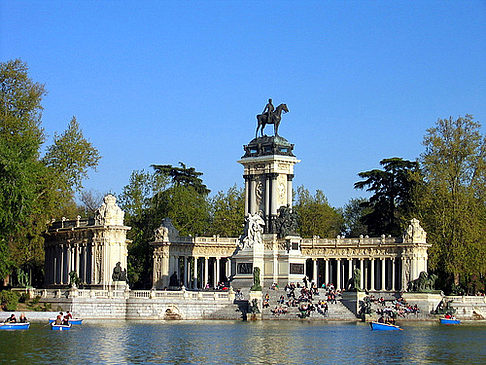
<point>336,311</point>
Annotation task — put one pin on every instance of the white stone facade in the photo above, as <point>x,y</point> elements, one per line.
<point>89,247</point>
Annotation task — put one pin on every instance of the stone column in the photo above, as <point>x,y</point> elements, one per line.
<point>184,281</point>
<point>218,266</point>
<point>361,274</point>
<point>289,189</point>
<point>327,271</point>
<point>85,262</point>
<point>274,204</point>
<point>372,264</point>
<point>350,270</point>
<point>267,200</point>
<point>393,274</point>
<point>253,204</point>
<point>338,274</point>
<point>194,275</point>
<point>383,272</point>
<point>206,271</point>
<point>228,268</point>
<point>61,266</point>
<point>314,271</point>
<point>247,194</point>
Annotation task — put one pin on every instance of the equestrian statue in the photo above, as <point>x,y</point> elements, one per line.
<point>270,115</point>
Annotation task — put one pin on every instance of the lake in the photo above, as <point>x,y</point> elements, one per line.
<point>228,342</point>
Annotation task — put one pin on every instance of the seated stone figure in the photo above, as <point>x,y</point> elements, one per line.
<point>118,273</point>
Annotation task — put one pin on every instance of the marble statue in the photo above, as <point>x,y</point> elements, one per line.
<point>166,232</point>
<point>415,233</point>
<point>253,230</point>
<point>109,214</point>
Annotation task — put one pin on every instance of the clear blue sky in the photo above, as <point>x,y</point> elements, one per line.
<point>158,82</point>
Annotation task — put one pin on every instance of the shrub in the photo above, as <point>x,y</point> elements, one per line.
<point>9,300</point>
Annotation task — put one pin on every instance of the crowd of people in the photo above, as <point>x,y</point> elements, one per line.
<point>302,297</point>
<point>392,308</point>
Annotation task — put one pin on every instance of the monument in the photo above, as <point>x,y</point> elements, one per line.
<point>268,163</point>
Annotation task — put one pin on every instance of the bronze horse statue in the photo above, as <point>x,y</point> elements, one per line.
<point>275,119</point>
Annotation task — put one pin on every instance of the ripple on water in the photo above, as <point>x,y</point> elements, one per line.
<point>272,342</point>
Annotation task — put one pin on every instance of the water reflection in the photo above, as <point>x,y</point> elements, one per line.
<point>271,342</point>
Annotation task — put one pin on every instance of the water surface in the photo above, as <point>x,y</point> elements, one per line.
<point>228,342</point>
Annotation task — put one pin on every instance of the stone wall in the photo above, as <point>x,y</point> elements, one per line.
<point>145,304</point>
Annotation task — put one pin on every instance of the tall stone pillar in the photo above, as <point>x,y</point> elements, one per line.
<point>361,283</point>
<point>194,284</point>
<point>393,274</point>
<point>206,271</point>
<point>383,270</point>
<point>372,286</point>
<point>314,271</point>
<point>327,271</point>
<point>274,202</point>
<point>253,204</point>
<point>267,202</point>
<point>338,275</point>
<point>185,271</point>
<point>218,267</point>
<point>61,266</point>
<point>289,189</point>
<point>247,194</point>
<point>350,270</point>
<point>228,268</point>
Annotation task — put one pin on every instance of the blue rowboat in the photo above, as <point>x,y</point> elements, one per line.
<point>14,326</point>
<point>60,327</point>
<point>376,326</point>
<point>449,321</point>
<point>75,321</point>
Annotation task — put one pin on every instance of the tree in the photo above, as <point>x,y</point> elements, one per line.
<point>177,193</point>
<point>183,176</point>
<point>70,157</point>
<point>454,164</point>
<point>316,216</point>
<point>353,213</point>
<point>228,212</point>
<point>33,190</point>
<point>20,139</point>
<point>91,200</point>
<point>393,200</point>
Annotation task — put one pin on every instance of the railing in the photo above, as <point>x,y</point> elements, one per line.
<point>120,293</point>
<point>466,299</point>
<point>356,242</point>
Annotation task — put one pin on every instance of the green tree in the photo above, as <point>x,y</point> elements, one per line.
<point>454,164</point>
<point>21,136</point>
<point>70,157</point>
<point>353,213</point>
<point>393,201</point>
<point>316,216</point>
<point>151,197</point>
<point>228,212</point>
<point>30,187</point>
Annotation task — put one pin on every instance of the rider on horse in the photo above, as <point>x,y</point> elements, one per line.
<point>268,111</point>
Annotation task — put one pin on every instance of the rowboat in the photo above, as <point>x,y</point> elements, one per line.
<point>60,327</point>
<point>449,321</point>
<point>14,326</point>
<point>75,321</point>
<point>376,326</point>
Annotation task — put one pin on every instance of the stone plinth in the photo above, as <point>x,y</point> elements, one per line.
<point>427,302</point>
